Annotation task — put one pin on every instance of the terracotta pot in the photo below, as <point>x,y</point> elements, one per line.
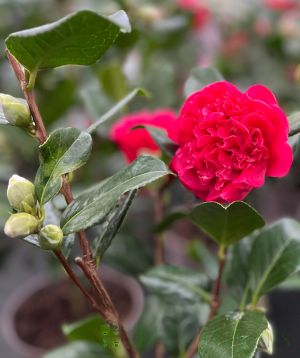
<point>20,315</point>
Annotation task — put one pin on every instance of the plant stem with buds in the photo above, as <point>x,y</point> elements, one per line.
<point>102,302</point>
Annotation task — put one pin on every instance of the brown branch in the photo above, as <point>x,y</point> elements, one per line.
<point>87,263</point>
<point>215,303</point>
<point>110,314</point>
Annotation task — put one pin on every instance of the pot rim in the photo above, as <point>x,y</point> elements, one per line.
<point>39,281</point>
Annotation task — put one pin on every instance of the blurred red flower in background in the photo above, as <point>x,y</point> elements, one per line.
<point>133,142</point>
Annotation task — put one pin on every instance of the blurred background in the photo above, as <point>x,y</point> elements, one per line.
<point>251,41</point>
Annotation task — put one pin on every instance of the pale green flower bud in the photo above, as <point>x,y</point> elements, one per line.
<point>51,237</point>
<point>21,224</point>
<point>21,194</point>
<point>266,340</point>
<point>15,110</point>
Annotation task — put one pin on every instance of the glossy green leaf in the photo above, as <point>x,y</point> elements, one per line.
<point>94,329</point>
<point>66,150</point>
<point>294,122</point>
<point>174,283</point>
<point>232,335</point>
<point>79,350</point>
<point>201,77</point>
<point>78,39</point>
<point>275,255</point>
<point>226,224</point>
<point>109,228</point>
<point>93,205</point>
<point>117,108</point>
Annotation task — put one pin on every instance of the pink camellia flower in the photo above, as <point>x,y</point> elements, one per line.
<point>133,142</point>
<point>281,5</point>
<point>196,7</point>
<point>229,141</point>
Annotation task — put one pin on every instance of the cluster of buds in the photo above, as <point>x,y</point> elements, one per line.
<point>16,112</point>
<point>26,219</point>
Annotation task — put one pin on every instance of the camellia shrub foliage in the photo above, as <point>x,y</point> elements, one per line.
<point>221,145</point>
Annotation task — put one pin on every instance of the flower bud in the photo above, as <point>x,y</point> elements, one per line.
<point>15,110</point>
<point>266,340</point>
<point>50,237</point>
<point>21,224</point>
<point>21,194</point>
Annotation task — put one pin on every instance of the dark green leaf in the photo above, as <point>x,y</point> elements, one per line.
<point>199,252</point>
<point>201,77</point>
<point>174,283</point>
<point>114,110</point>
<point>294,121</point>
<point>129,254</point>
<point>78,39</point>
<point>93,205</point>
<point>226,224</point>
<point>94,329</point>
<point>275,255</point>
<point>110,226</point>
<point>66,150</point>
<point>79,350</point>
<point>149,326</point>
<point>232,335</point>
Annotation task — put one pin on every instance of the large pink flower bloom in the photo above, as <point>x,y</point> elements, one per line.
<point>229,141</point>
<point>133,142</point>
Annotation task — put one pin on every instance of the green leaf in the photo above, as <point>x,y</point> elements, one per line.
<point>148,328</point>
<point>94,204</point>
<point>116,109</point>
<point>275,255</point>
<point>161,139</point>
<point>232,335</point>
<point>174,283</point>
<point>32,239</point>
<point>294,121</point>
<point>78,39</point>
<point>199,252</point>
<point>66,150</point>
<point>93,329</point>
<point>226,224</point>
<point>114,81</point>
<point>79,350</point>
<point>111,225</point>
<point>201,77</point>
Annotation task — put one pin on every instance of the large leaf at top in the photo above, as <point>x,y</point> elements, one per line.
<point>176,284</point>
<point>275,255</point>
<point>226,224</point>
<point>80,38</point>
<point>93,205</point>
<point>79,349</point>
<point>94,329</point>
<point>201,77</point>
<point>232,335</point>
<point>109,228</point>
<point>66,150</point>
